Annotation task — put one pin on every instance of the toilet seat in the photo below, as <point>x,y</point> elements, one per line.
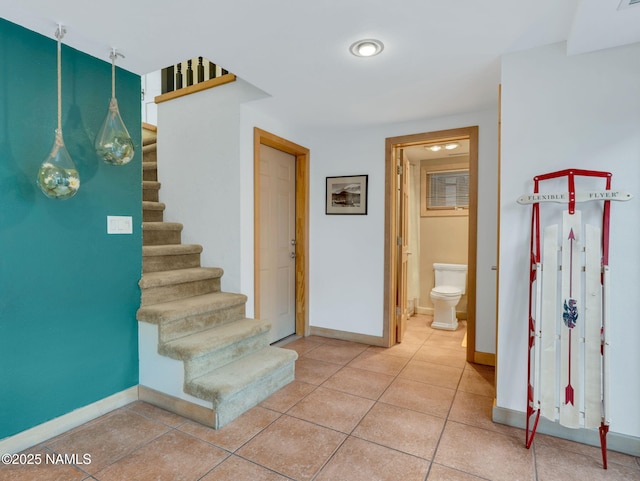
<point>446,291</point>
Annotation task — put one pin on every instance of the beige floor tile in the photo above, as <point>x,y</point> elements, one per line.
<point>441,355</point>
<point>336,353</point>
<point>452,342</point>
<point>318,339</point>
<point>416,336</point>
<point>174,456</point>
<point>404,349</point>
<point>332,409</point>
<point>442,473</point>
<point>430,373</point>
<point>237,469</point>
<point>584,449</point>
<point>343,343</point>
<point>39,464</point>
<point>359,460</point>
<point>401,429</point>
<point>419,396</point>
<point>485,454</point>
<point>302,346</point>
<point>284,398</point>
<point>293,447</point>
<point>476,410</point>
<point>554,464</point>
<point>156,414</point>
<point>376,362</point>
<point>313,371</point>
<point>359,382</point>
<point>109,438</point>
<point>237,432</point>
<point>478,380</point>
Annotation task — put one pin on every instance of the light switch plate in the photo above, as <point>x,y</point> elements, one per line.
<point>119,224</point>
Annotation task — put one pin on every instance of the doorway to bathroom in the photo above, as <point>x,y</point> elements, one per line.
<point>430,216</point>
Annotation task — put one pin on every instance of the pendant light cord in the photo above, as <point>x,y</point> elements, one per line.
<point>113,55</point>
<point>113,73</point>
<point>59,34</point>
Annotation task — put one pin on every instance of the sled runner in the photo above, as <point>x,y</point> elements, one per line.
<point>568,342</point>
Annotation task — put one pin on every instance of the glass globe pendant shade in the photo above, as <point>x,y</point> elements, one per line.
<point>113,142</point>
<point>58,176</point>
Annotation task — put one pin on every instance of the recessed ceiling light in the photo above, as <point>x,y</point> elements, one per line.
<point>366,48</point>
<point>433,148</point>
<point>451,146</point>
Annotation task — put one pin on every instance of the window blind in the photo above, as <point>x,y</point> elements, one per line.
<point>448,189</point>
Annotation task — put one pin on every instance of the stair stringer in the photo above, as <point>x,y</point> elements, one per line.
<point>159,372</point>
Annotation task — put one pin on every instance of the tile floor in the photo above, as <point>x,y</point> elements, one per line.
<point>414,412</point>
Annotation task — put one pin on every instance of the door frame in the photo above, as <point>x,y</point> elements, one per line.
<point>391,234</point>
<point>301,154</point>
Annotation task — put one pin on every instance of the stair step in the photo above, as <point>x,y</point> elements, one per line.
<point>149,171</point>
<point>161,233</point>
<point>150,152</point>
<point>242,384</point>
<point>194,314</point>
<point>170,257</point>
<point>165,286</point>
<point>152,211</point>
<point>207,350</point>
<point>149,134</point>
<point>150,190</point>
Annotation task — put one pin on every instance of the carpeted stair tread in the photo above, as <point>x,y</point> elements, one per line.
<point>180,276</point>
<point>149,166</point>
<point>226,381</point>
<point>162,226</point>
<point>151,184</point>
<point>192,306</point>
<point>149,136</point>
<point>213,339</point>
<point>149,205</point>
<point>149,147</point>
<point>171,250</point>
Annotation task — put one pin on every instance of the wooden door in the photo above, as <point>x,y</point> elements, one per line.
<point>403,243</point>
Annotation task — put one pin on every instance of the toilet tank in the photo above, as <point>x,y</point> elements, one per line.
<point>454,275</point>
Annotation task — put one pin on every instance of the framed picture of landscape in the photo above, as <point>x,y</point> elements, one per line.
<point>347,195</point>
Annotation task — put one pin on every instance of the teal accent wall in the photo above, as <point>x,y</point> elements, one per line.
<point>68,290</point>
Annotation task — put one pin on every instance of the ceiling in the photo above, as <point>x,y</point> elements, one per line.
<point>441,57</point>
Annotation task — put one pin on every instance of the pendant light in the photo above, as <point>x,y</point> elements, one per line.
<point>58,176</point>
<point>113,142</point>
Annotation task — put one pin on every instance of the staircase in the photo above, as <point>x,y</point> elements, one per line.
<point>228,365</point>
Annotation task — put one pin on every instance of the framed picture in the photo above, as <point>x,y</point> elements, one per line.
<point>347,195</point>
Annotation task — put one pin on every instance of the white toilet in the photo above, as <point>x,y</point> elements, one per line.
<point>451,281</point>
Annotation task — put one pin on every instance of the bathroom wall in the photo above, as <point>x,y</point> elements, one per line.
<point>442,239</point>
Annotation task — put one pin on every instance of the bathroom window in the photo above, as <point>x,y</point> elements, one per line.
<point>445,192</point>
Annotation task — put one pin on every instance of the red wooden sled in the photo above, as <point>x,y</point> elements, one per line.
<point>558,397</point>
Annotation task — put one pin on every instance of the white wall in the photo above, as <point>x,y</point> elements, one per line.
<point>560,112</point>
<point>205,155</point>
<point>201,173</point>
<point>347,252</point>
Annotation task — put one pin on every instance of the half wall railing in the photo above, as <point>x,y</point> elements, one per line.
<point>189,72</point>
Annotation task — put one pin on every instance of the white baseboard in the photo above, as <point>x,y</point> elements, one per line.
<point>621,443</point>
<point>59,425</point>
